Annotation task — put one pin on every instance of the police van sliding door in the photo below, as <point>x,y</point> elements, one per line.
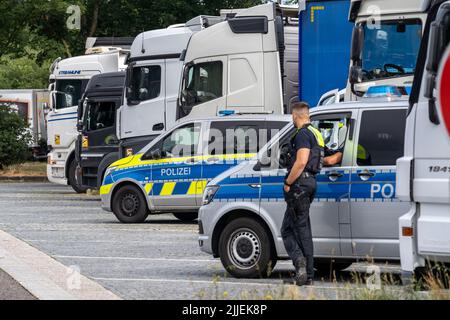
<point>331,209</point>
<point>374,208</point>
<point>176,175</point>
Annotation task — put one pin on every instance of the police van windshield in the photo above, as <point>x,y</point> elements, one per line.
<point>390,48</point>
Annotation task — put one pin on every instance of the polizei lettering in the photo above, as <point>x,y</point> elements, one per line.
<point>173,172</point>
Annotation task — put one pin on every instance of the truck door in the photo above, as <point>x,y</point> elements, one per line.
<point>144,111</point>
<point>374,208</point>
<point>205,84</point>
<point>176,177</point>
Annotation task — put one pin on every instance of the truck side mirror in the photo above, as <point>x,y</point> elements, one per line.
<point>357,43</point>
<point>355,75</point>
<point>80,126</point>
<point>436,46</point>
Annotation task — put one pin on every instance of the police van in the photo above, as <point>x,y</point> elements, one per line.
<point>170,174</point>
<point>355,213</point>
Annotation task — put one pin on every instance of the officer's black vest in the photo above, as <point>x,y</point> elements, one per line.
<point>317,154</point>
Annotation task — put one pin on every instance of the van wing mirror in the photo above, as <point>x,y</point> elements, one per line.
<point>357,43</point>
<point>436,46</point>
<point>355,75</point>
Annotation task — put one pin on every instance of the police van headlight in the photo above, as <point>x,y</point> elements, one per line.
<point>109,171</point>
<point>209,194</point>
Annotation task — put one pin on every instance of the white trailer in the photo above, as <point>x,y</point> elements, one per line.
<point>68,79</point>
<point>32,106</point>
<point>424,172</point>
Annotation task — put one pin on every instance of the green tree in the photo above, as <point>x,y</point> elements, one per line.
<point>14,138</point>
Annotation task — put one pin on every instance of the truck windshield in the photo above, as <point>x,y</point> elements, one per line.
<point>202,83</point>
<point>390,48</point>
<point>69,92</point>
<point>99,115</point>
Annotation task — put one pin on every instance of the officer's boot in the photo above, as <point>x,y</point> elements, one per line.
<point>301,276</point>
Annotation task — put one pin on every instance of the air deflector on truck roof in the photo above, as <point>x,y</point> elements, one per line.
<point>241,25</point>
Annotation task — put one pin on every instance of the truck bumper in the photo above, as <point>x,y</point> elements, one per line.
<point>56,168</point>
<point>409,258</point>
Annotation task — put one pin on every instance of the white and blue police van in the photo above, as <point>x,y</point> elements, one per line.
<point>355,213</point>
<point>170,174</point>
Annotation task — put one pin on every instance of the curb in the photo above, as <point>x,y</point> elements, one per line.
<point>23,179</point>
<point>43,276</point>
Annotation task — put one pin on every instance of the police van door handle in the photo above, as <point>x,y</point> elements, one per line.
<point>213,160</point>
<point>366,175</point>
<point>255,185</point>
<point>191,161</point>
<point>333,176</point>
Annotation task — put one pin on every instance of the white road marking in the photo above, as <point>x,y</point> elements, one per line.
<point>134,258</point>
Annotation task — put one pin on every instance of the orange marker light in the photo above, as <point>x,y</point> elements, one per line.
<point>407,232</point>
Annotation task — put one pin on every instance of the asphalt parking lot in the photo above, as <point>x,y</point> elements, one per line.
<point>159,259</point>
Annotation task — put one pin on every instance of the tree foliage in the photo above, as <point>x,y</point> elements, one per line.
<point>14,137</point>
<point>33,33</point>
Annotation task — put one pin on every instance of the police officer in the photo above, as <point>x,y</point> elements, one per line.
<point>305,161</point>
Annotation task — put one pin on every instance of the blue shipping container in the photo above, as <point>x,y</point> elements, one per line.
<point>324,48</point>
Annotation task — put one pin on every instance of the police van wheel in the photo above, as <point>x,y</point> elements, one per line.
<point>129,205</point>
<point>245,249</point>
<point>186,216</point>
<point>72,180</point>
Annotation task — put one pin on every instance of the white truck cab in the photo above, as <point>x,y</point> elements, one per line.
<point>386,41</point>
<point>69,78</point>
<point>235,65</point>
<point>424,171</point>
<point>152,83</point>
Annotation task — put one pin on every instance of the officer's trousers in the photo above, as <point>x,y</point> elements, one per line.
<point>296,228</point>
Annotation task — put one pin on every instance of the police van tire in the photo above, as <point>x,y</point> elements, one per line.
<point>186,216</point>
<point>129,205</point>
<point>72,181</point>
<point>245,249</point>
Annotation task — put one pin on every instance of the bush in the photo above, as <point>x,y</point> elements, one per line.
<point>14,138</point>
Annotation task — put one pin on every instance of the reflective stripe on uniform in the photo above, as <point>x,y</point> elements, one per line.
<point>318,135</point>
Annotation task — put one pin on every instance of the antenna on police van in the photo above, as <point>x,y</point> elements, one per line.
<point>143,39</point>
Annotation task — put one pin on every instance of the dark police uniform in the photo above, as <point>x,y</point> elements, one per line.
<point>296,228</point>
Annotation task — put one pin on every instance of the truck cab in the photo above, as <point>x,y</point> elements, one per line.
<point>385,45</point>
<point>69,79</point>
<point>152,82</point>
<point>98,146</point>
<point>424,175</point>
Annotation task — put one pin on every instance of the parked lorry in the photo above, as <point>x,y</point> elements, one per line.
<point>386,40</point>
<point>32,105</point>
<point>424,171</point>
<point>97,145</point>
<point>68,81</point>
<point>244,65</point>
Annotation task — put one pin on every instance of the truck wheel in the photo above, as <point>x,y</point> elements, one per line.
<point>129,205</point>
<point>245,249</point>
<point>72,180</point>
<point>186,217</point>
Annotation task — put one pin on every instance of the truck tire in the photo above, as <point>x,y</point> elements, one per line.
<point>186,216</point>
<point>72,180</point>
<point>245,249</point>
<point>129,205</point>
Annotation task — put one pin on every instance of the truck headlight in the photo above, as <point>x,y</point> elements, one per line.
<point>209,194</point>
<point>109,171</point>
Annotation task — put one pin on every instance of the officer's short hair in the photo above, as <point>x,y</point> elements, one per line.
<point>301,108</point>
